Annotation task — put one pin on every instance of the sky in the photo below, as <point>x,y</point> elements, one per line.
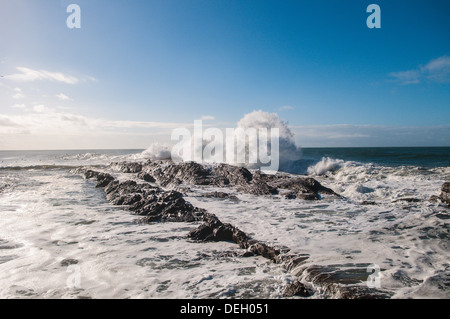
<point>136,70</point>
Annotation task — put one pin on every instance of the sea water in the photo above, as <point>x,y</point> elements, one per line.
<point>55,225</point>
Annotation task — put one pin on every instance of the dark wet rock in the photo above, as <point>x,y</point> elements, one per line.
<point>346,281</point>
<point>408,200</point>
<point>368,203</point>
<point>297,288</point>
<point>118,192</point>
<point>3,187</point>
<point>259,187</point>
<point>233,175</point>
<point>242,179</point>
<point>170,174</point>
<point>290,262</point>
<point>213,229</point>
<point>146,177</point>
<point>266,251</point>
<point>103,179</point>
<point>302,188</point>
<point>445,193</point>
<point>127,167</point>
<point>308,196</point>
<point>68,261</point>
<point>156,204</point>
<point>169,207</point>
<point>434,199</point>
<point>219,195</point>
<point>405,280</point>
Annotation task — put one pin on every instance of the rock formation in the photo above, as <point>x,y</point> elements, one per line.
<point>154,198</point>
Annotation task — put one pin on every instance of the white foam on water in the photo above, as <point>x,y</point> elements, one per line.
<point>50,215</point>
<point>57,217</point>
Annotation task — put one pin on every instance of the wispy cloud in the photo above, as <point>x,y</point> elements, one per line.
<point>41,119</point>
<point>207,118</point>
<point>285,107</point>
<point>19,106</point>
<point>437,70</point>
<point>63,97</point>
<point>18,96</point>
<point>29,75</point>
<point>44,127</point>
<point>340,135</point>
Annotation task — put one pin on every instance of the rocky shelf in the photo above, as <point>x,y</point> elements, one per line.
<point>157,198</point>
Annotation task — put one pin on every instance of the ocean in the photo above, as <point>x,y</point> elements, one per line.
<point>61,238</point>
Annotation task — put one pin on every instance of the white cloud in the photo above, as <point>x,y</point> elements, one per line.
<point>63,97</point>
<point>286,107</point>
<point>437,70</point>
<point>6,121</point>
<point>406,77</point>
<point>207,118</point>
<point>29,75</point>
<point>18,106</point>
<point>18,96</point>
<point>52,128</point>
<point>342,135</point>
<point>41,109</point>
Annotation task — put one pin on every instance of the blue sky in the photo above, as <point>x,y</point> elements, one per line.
<point>137,69</point>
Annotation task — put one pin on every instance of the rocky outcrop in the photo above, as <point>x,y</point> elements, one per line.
<point>302,187</point>
<point>445,193</point>
<point>297,288</point>
<point>168,174</point>
<point>127,167</point>
<point>156,203</point>
<point>219,195</point>
<point>152,203</point>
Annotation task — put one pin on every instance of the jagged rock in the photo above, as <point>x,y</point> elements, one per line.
<point>297,289</point>
<point>302,188</point>
<point>4,187</point>
<point>290,262</point>
<point>407,199</point>
<point>127,167</point>
<point>68,261</point>
<point>214,230</point>
<point>146,177</point>
<point>259,187</point>
<point>220,195</point>
<point>268,252</point>
<point>103,179</point>
<point>346,281</point>
<point>445,193</point>
<point>233,175</point>
<point>169,174</point>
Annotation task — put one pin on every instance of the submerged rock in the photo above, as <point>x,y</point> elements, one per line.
<point>297,289</point>
<point>346,281</point>
<point>445,193</point>
<point>127,167</point>
<point>158,204</point>
<point>68,261</point>
<point>220,195</point>
<point>306,188</point>
<point>213,229</point>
